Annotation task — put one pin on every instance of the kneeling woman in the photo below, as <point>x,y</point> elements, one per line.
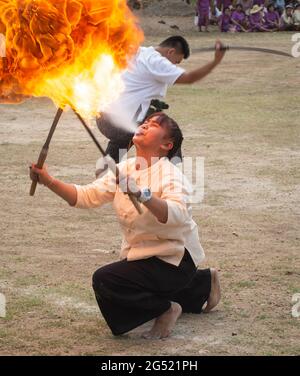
<point>157,277</point>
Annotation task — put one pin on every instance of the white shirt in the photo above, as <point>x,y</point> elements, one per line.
<point>148,77</point>
<point>143,235</point>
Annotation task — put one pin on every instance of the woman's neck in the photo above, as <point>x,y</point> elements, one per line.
<point>145,160</point>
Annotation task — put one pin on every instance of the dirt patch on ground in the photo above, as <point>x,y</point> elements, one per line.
<point>244,120</point>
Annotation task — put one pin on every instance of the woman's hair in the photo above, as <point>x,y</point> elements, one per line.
<point>174,132</point>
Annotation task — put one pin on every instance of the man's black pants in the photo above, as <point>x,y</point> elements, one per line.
<point>131,293</point>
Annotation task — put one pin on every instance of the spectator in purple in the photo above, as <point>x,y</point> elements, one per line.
<point>239,19</point>
<point>203,14</point>
<point>247,5</point>
<point>256,19</point>
<point>225,20</point>
<point>225,4</point>
<point>272,18</point>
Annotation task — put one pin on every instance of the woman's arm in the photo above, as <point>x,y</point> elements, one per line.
<point>159,208</point>
<point>171,206</point>
<point>67,192</point>
<point>92,195</point>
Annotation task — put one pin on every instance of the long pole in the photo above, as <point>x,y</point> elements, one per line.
<point>242,48</point>
<point>45,148</point>
<point>111,163</point>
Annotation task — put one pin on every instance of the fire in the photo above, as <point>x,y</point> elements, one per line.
<point>72,51</point>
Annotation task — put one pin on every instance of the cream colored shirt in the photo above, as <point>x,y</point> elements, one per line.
<point>143,235</point>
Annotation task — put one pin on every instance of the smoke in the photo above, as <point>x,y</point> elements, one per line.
<point>123,120</point>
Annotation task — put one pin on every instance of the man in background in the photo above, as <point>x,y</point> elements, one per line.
<point>148,77</point>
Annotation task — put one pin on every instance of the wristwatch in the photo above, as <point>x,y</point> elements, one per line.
<point>145,195</point>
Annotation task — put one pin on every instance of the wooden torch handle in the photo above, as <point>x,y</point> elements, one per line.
<point>136,204</point>
<point>40,164</point>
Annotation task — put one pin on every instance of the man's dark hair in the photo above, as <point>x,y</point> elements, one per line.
<point>174,132</point>
<point>179,43</point>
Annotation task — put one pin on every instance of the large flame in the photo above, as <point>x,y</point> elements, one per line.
<point>71,51</point>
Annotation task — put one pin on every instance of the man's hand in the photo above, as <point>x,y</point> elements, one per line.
<point>199,73</point>
<point>219,54</point>
<point>40,174</point>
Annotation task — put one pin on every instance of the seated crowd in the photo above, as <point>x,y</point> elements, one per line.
<point>249,15</point>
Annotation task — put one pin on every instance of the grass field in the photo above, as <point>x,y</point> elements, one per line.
<point>244,120</point>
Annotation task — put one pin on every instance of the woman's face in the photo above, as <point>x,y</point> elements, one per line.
<point>271,8</point>
<point>239,8</point>
<point>152,136</point>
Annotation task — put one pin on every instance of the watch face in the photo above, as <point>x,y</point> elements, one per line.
<point>147,193</point>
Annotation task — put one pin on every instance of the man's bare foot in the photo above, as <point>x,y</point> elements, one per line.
<point>164,324</point>
<point>215,292</point>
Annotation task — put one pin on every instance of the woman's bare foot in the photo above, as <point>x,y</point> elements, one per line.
<point>215,292</point>
<point>164,324</point>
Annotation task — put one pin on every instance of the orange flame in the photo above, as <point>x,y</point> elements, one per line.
<point>72,51</point>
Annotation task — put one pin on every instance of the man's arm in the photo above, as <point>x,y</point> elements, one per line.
<point>197,74</point>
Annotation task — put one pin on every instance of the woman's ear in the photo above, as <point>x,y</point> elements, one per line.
<point>167,146</point>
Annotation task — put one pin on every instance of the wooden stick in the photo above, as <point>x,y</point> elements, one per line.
<point>111,163</point>
<point>241,48</point>
<point>44,151</point>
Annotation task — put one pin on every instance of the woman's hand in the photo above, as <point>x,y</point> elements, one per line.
<point>128,185</point>
<point>40,174</point>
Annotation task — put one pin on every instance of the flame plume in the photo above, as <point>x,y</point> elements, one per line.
<point>71,51</point>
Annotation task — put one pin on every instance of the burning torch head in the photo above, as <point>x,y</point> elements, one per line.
<point>72,51</point>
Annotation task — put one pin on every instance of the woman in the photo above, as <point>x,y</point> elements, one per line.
<point>256,19</point>
<point>272,19</point>
<point>225,21</point>
<point>239,19</point>
<point>203,7</point>
<point>157,276</point>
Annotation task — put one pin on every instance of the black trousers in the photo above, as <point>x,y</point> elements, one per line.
<point>119,139</point>
<point>131,293</point>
